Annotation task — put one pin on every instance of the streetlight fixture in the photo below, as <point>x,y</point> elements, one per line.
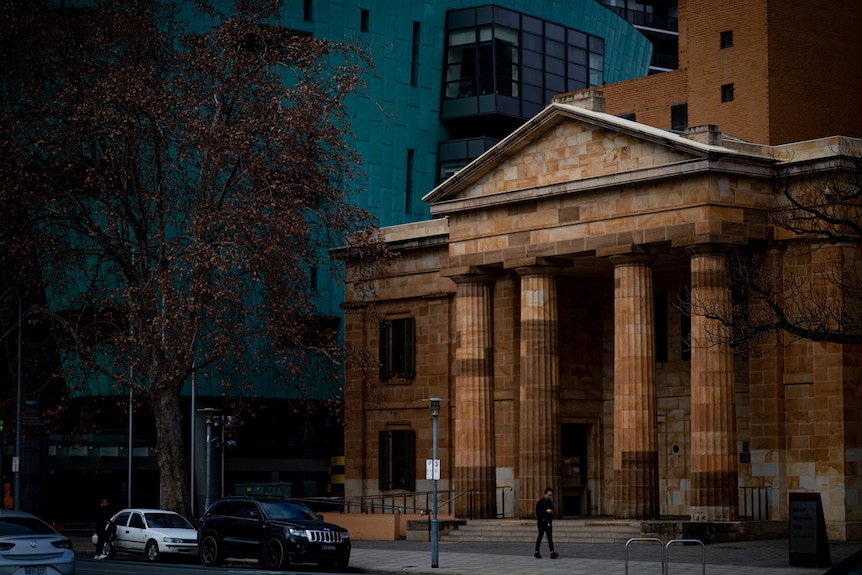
<point>435,474</point>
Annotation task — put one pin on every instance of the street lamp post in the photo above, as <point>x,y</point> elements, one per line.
<point>208,415</point>
<point>435,473</point>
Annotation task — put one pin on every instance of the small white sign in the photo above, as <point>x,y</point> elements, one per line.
<point>16,464</point>
<point>432,469</point>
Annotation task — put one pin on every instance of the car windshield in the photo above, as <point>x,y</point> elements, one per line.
<point>167,520</point>
<point>288,510</point>
<point>11,526</point>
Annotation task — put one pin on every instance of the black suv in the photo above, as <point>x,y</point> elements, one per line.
<point>276,532</point>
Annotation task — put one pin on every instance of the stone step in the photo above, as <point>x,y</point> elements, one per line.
<point>565,531</point>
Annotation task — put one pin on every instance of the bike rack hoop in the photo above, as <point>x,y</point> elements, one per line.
<point>666,569</point>
<point>645,540</point>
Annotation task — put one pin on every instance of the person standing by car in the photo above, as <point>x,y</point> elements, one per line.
<point>544,519</point>
<point>103,520</point>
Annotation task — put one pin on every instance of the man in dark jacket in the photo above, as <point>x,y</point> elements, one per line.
<point>544,518</point>
<point>103,519</point>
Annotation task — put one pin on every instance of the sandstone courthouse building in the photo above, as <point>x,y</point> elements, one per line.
<point>546,298</point>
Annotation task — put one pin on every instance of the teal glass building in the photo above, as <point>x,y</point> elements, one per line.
<point>450,79</point>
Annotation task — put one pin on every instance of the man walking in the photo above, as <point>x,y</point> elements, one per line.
<point>544,518</point>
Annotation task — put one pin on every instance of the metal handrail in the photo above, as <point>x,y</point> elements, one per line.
<point>392,503</point>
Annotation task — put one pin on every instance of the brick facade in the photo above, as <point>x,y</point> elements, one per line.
<point>788,64</point>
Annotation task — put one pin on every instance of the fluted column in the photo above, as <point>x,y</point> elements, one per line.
<point>475,467</point>
<point>714,472</point>
<point>636,493</point>
<point>540,389</point>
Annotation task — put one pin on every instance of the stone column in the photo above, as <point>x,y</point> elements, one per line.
<point>636,483</point>
<point>714,472</point>
<point>539,465</point>
<point>475,467</point>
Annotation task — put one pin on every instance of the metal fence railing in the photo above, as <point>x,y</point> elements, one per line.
<point>754,503</point>
<point>421,502</point>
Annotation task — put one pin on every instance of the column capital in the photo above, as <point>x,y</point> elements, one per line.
<point>538,270</point>
<point>633,259</point>
<point>474,278</point>
<point>708,249</point>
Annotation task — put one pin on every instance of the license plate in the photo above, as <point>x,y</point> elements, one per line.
<point>328,547</point>
<point>35,570</point>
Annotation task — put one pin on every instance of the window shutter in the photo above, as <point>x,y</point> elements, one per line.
<point>411,460</point>
<point>383,350</point>
<point>410,348</point>
<point>383,482</point>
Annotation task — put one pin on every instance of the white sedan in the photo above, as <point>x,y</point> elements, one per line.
<point>153,532</point>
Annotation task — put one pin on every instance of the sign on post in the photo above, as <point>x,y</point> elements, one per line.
<point>432,469</point>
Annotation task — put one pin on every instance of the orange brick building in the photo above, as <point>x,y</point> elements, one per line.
<point>766,71</point>
<point>543,302</point>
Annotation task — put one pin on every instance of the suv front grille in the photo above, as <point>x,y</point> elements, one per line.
<point>324,536</point>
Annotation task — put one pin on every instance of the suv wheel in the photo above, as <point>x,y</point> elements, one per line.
<point>210,551</point>
<point>274,556</point>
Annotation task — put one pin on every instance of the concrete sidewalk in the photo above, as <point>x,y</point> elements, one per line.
<point>739,558</point>
<point>769,557</point>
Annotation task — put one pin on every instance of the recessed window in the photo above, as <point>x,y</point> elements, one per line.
<point>727,93</point>
<point>627,116</point>
<point>685,324</point>
<point>482,61</point>
<point>397,348</point>
<point>679,117</point>
<point>661,327</point>
<point>408,187</point>
<point>396,459</point>
<point>307,11</point>
<point>727,39</point>
<point>414,54</point>
<point>363,20</point>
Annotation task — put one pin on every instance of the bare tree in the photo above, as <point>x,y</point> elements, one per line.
<point>807,283</point>
<point>179,173</point>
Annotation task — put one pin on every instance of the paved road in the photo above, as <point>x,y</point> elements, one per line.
<point>414,558</point>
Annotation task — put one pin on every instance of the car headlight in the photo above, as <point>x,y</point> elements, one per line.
<point>297,533</point>
<point>346,535</point>
<point>173,540</point>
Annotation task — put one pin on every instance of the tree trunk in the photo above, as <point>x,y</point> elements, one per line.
<point>169,444</point>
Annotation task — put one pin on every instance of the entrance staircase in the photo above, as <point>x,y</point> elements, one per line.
<point>586,530</point>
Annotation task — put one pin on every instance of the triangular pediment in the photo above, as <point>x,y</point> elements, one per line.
<point>566,144</point>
